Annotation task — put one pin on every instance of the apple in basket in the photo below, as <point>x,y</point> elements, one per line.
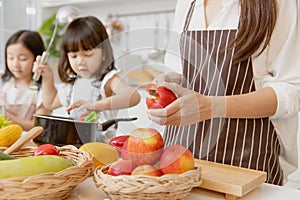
<point>176,159</point>
<point>118,142</point>
<point>46,149</point>
<point>148,170</point>
<point>144,146</point>
<point>121,167</point>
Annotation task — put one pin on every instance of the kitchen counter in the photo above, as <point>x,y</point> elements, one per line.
<point>88,191</point>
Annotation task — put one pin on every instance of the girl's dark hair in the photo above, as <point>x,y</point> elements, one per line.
<point>85,33</point>
<point>31,40</point>
<point>256,25</point>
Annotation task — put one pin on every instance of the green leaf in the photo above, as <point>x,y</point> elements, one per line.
<point>48,26</point>
<point>92,117</point>
<point>46,30</point>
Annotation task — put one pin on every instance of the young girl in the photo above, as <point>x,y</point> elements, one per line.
<point>90,79</point>
<point>241,84</point>
<point>21,49</point>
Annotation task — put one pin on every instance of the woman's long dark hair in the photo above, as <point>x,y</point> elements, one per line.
<point>256,25</point>
<point>85,33</point>
<point>31,40</point>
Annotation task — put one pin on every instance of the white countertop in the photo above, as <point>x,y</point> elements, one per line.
<point>88,191</point>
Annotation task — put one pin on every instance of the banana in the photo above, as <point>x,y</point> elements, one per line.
<point>33,165</point>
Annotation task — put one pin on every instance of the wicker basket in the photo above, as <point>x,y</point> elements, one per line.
<point>166,187</point>
<point>52,186</point>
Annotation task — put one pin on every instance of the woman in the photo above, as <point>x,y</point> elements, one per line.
<point>241,84</point>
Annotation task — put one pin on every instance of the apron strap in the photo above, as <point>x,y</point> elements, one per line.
<point>189,15</point>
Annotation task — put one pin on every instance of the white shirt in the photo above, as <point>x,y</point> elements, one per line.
<point>22,103</point>
<point>83,89</point>
<point>277,67</point>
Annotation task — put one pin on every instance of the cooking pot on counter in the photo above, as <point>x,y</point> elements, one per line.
<point>63,130</point>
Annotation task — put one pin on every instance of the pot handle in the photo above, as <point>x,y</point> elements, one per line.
<point>105,125</point>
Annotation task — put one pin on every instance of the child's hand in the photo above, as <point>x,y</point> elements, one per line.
<point>74,105</point>
<point>80,109</point>
<point>44,70</point>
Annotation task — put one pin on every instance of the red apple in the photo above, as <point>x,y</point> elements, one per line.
<point>118,142</point>
<point>160,97</point>
<point>176,159</point>
<point>121,167</point>
<point>46,149</point>
<point>124,152</point>
<point>148,170</point>
<point>144,146</point>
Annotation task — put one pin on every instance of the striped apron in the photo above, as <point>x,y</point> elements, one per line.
<point>209,69</point>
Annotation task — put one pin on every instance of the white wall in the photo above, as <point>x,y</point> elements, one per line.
<point>16,16</point>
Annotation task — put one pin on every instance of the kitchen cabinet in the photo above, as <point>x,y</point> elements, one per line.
<point>139,20</point>
<point>15,15</point>
<point>134,14</point>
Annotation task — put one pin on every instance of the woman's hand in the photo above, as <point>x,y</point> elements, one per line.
<point>189,107</point>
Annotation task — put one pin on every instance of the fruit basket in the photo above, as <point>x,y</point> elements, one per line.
<point>165,187</point>
<point>53,185</point>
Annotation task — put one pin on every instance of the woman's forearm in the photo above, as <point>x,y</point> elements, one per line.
<point>258,104</point>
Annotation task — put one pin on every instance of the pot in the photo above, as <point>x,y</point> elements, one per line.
<point>64,131</point>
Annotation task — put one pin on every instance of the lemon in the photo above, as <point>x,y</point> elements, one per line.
<point>103,154</point>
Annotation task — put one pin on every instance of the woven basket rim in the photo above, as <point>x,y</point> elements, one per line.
<point>53,185</point>
<point>166,186</point>
<point>100,169</point>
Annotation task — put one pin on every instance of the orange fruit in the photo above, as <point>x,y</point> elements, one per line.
<point>103,154</point>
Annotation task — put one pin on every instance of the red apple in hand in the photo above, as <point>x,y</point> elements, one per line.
<point>160,97</point>
<point>176,159</point>
<point>121,167</point>
<point>144,146</point>
<point>148,170</point>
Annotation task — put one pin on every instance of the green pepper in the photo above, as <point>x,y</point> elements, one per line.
<point>92,117</point>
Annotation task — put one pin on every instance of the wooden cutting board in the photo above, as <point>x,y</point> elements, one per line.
<point>233,181</point>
